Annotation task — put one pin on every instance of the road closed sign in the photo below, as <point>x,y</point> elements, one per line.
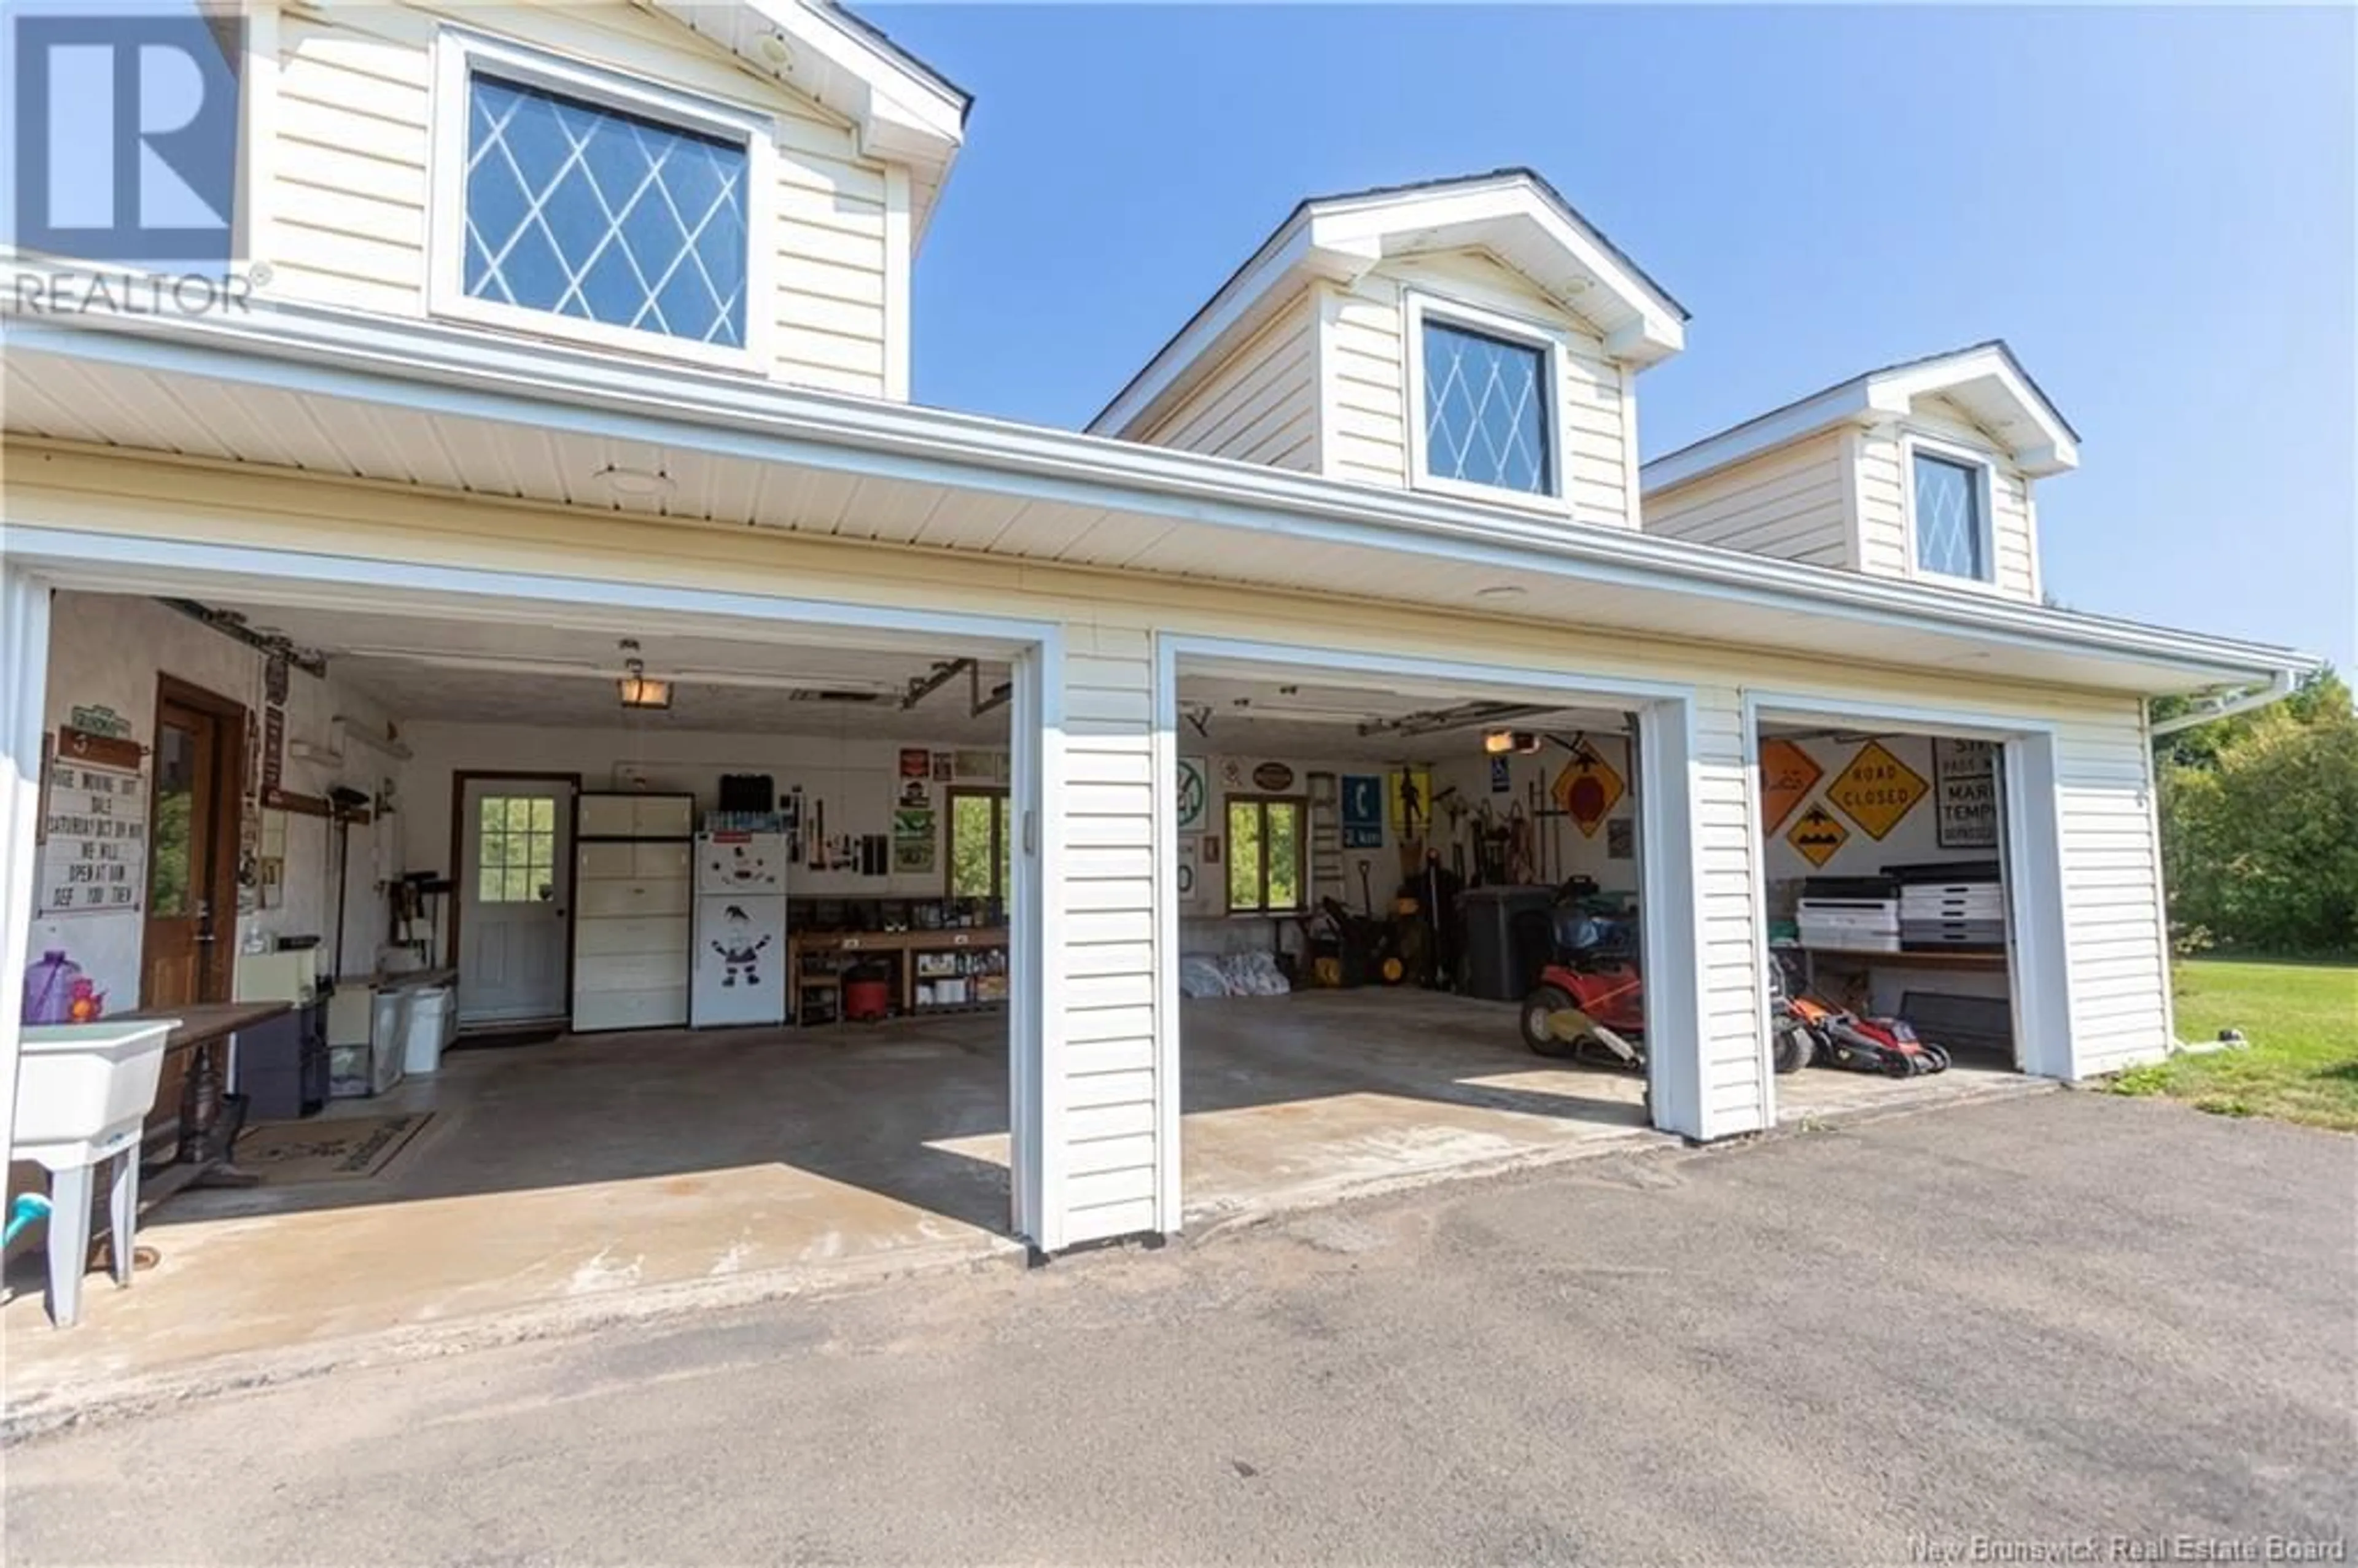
<point>1877,790</point>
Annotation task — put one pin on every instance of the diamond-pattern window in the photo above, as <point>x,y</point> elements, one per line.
<point>1485,410</point>
<point>586,212</point>
<point>1948,518</point>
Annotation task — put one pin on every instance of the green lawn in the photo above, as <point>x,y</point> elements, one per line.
<point>2302,1062</point>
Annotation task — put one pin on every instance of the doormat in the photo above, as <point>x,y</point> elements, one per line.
<point>345,1148</point>
<point>501,1039</point>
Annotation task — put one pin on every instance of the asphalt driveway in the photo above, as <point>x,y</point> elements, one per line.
<point>2068,1322</point>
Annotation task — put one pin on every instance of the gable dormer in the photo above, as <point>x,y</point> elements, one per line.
<point>1476,338</point>
<point>1924,470</point>
<point>738,185</point>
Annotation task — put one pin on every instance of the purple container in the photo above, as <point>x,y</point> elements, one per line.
<point>50,988</point>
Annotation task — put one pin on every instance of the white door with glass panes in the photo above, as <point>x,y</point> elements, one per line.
<point>514,890</point>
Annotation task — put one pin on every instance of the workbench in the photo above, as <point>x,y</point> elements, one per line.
<point>901,949</point>
<point>258,1049</point>
<point>1863,961</point>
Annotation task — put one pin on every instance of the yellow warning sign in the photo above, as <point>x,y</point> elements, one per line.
<point>1877,790</point>
<point>1588,789</point>
<point>1411,801</point>
<point>1817,835</point>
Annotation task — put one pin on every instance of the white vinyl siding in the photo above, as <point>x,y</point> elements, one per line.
<point>1883,487</point>
<point>1789,502</point>
<point>1260,406</point>
<point>1103,1162</point>
<point>1726,853</point>
<point>2113,895</point>
<point>348,207</point>
<point>1365,380</point>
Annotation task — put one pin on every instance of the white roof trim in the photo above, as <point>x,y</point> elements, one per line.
<point>446,368</point>
<point>1512,214</point>
<point>904,112</point>
<point>1986,375</point>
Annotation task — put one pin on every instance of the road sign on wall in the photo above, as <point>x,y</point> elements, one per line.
<point>1788,774</point>
<point>1877,790</point>
<point>1817,835</point>
<point>1588,789</point>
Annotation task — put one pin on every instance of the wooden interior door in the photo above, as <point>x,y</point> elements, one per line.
<point>192,827</point>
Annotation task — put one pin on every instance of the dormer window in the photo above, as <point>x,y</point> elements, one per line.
<point>1950,505</point>
<point>580,203</point>
<point>1483,391</point>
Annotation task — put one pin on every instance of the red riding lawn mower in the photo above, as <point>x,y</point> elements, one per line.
<point>1590,1001</point>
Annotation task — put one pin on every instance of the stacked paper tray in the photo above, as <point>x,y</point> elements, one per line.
<point>1953,900</point>
<point>1867,925</point>
<point>1952,914</point>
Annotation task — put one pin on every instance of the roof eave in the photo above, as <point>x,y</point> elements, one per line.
<point>1883,397</point>
<point>902,110</point>
<point>446,369</point>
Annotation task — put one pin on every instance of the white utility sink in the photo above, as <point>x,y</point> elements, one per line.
<point>83,1090</point>
<point>82,1094</point>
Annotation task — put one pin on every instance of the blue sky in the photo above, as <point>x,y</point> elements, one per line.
<point>2156,207</point>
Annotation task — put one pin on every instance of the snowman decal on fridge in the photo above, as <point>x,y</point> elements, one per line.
<point>741,929</point>
<point>740,946</point>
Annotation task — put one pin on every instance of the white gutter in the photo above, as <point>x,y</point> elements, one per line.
<point>471,373</point>
<point>2280,687</point>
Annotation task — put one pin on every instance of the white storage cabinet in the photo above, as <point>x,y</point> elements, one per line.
<point>633,885</point>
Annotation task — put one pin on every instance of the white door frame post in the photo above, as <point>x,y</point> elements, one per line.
<point>40,559</point>
<point>1036,969</point>
<point>24,701</point>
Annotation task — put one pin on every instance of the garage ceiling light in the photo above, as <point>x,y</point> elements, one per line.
<point>1510,742</point>
<point>635,688</point>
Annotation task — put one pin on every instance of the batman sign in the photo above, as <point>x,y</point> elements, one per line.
<point>1817,835</point>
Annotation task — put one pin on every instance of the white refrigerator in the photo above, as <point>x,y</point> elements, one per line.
<point>740,974</point>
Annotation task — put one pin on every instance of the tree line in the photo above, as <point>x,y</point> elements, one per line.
<point>2259,823</point>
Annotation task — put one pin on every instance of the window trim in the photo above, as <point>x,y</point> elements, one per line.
<point>1003,831</point>
<point>459,54</point>
<point>1418,306</point>
<point>1984,470</point>
<point>1301,803</point>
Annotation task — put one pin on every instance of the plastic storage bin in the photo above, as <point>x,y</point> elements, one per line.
<point>433,1021</point>
<point>388,1039</point>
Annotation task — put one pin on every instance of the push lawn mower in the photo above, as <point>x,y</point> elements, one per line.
<point>1885,1045</point>
<point>1807,1030</point>
<point>1794,1042</point>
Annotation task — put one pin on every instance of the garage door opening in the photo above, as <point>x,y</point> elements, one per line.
<point>1887,893</point>
<point>523,960</point>
<point>1372,879</point>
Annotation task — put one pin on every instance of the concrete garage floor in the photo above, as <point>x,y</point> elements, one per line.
<point>626,1175</point>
